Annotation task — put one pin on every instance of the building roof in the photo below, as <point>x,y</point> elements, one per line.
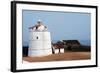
<point>72,42</point>
<point>38,26</point>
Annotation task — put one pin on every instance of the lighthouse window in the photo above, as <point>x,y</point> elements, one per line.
<point>37,37</point>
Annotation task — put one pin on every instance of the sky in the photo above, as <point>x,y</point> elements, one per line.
<point>61,25</point>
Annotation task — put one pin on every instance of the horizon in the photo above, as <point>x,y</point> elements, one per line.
<point>83,42</point>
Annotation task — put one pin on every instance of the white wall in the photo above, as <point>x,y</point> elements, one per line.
<point>5,36</point>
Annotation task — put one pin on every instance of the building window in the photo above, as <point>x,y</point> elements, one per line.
<point>37,37</point>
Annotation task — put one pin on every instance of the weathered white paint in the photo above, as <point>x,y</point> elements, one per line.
<point>56,51</point>
<point>39,42</point>
<point>62,50</point>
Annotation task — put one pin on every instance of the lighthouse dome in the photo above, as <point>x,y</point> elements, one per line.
<point>39,26</point>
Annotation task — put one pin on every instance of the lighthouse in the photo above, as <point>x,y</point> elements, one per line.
<point>39,40</point>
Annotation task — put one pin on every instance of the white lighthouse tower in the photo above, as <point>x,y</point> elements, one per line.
<point>39,40</point>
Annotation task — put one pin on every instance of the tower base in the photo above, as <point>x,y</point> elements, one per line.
<point>39,53</point>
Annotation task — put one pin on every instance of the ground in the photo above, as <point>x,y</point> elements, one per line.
<point>60,57</point>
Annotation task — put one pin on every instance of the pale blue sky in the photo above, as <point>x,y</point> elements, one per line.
<point>62,25</point>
